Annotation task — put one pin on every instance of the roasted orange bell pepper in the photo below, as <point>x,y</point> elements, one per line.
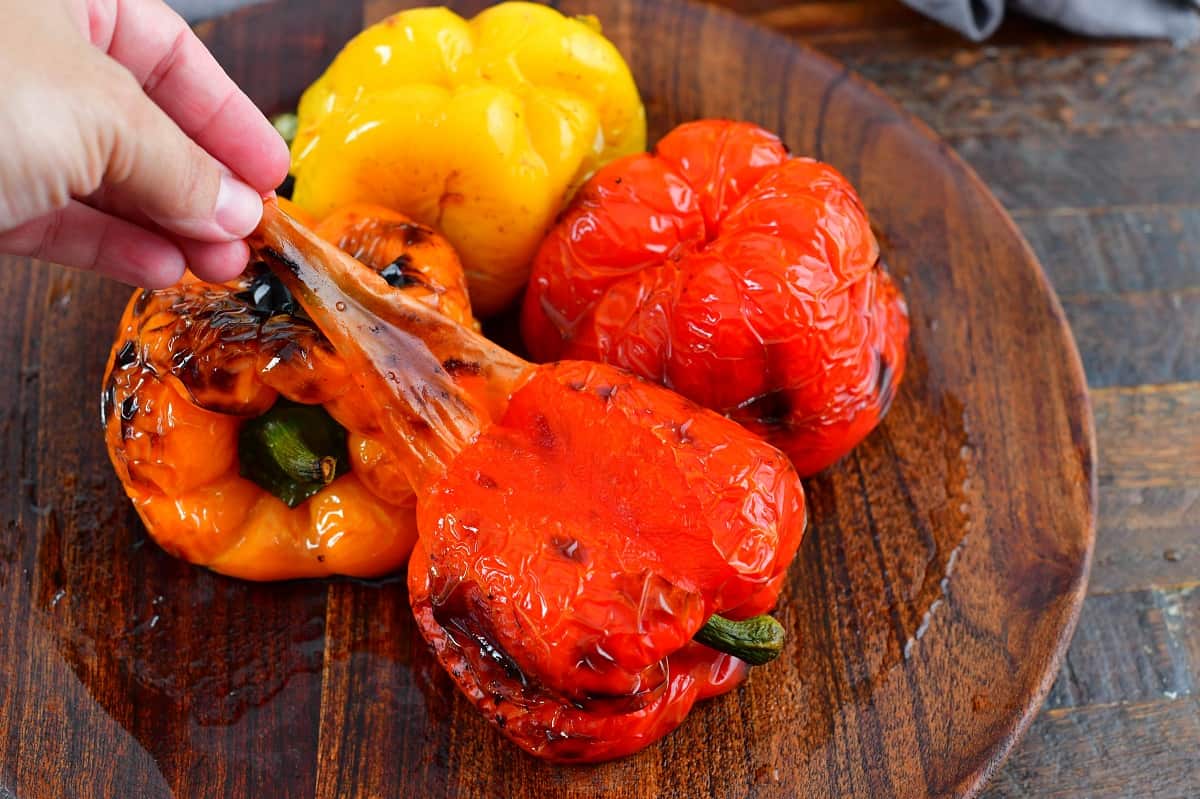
<point>593,549</point>
<point>746,280</point>
<point>237,431</point>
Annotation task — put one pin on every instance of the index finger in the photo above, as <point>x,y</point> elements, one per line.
<point>181,76</point>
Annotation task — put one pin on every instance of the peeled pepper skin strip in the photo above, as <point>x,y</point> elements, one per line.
<point>480,128</point>
<point>193,361</point>
<point>744,279</point>
<point>577,525</point>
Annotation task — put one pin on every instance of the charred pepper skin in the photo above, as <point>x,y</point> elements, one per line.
<point>194,362</point>
<point>747,280</point>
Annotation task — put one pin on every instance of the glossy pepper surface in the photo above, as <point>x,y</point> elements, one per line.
<point>578,526</point>
<point>481,129</point>
<point>207,381</point>
<point>746,280</point>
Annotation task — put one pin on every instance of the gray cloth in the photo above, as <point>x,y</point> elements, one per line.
<point>977,19</point>
<point>196,10</point>
<point>1178,20</point>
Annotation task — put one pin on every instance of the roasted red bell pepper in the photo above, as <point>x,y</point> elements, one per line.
<point>580,529</point>
<point>746,280</point>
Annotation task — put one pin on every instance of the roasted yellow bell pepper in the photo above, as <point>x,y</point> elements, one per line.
<point>481,129</point>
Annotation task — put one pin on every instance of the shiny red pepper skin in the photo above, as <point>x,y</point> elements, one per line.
<point>571,553</point>
<point>746,280</point>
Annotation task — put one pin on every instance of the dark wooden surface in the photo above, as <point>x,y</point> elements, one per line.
<point>126,673</point>
<point>1093,146</point>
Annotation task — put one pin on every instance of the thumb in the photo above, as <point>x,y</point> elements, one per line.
<point>154,167</point>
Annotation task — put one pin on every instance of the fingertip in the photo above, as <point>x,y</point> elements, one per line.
<point>277,163</point>
<point>239,207</point>
<point>273,160</point>
<point>218,262</point>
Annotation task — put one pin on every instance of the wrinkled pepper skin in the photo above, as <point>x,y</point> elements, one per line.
<point>663,515</point>
<point>481,129</point>
<point>382,239</point>
<point>574,537</point>
<point>742,278</point>
<point>193,362</point>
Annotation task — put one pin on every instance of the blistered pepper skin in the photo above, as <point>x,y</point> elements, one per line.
<point>481,129</point>
<point>192,362</point>
<point>575,532</point>
<point>746,280</point>
<point>599,592</point>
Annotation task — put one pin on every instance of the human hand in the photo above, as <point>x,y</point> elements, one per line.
<point>124,147</point>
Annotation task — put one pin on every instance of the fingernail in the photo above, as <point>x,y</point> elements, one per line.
<point>239,207</point>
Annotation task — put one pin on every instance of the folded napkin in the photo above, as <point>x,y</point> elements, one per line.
<point>1178,20</point>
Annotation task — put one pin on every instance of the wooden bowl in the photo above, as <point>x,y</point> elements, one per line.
<point>928,609</point>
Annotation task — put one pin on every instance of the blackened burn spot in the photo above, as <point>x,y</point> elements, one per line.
<point>771,409</point>
<point>268,296</point>
<point>127,355</point>
<point>289,352</point>
<point>885,384</point>
<point>400,273</point>
<point>464,617</point>
<point>129,408</point>
<point>288,263</point>
<point>455,366</point>
<point>484,481</point>
<point>143,300</point>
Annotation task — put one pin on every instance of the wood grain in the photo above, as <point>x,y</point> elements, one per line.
<point>1150,434</point>
<point>928,610</point>
<point>1016,89</point>
<point>1114,250</point>
<point>1127,648</point>
<point>1158,341</point>
<point>1112,167</point>
<point>1112,752</point>
<point>1147,537</point>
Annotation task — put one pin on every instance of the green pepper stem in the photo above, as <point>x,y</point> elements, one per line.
<point>757,640</point>
<point>292,450</point>
<point>286,125</point>
<point>293,455</point>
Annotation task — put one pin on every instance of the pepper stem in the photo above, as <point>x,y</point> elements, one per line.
<point>293,451</point>
<point>756,640</point>
<point>286,125</point>
<point>396,346</point>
